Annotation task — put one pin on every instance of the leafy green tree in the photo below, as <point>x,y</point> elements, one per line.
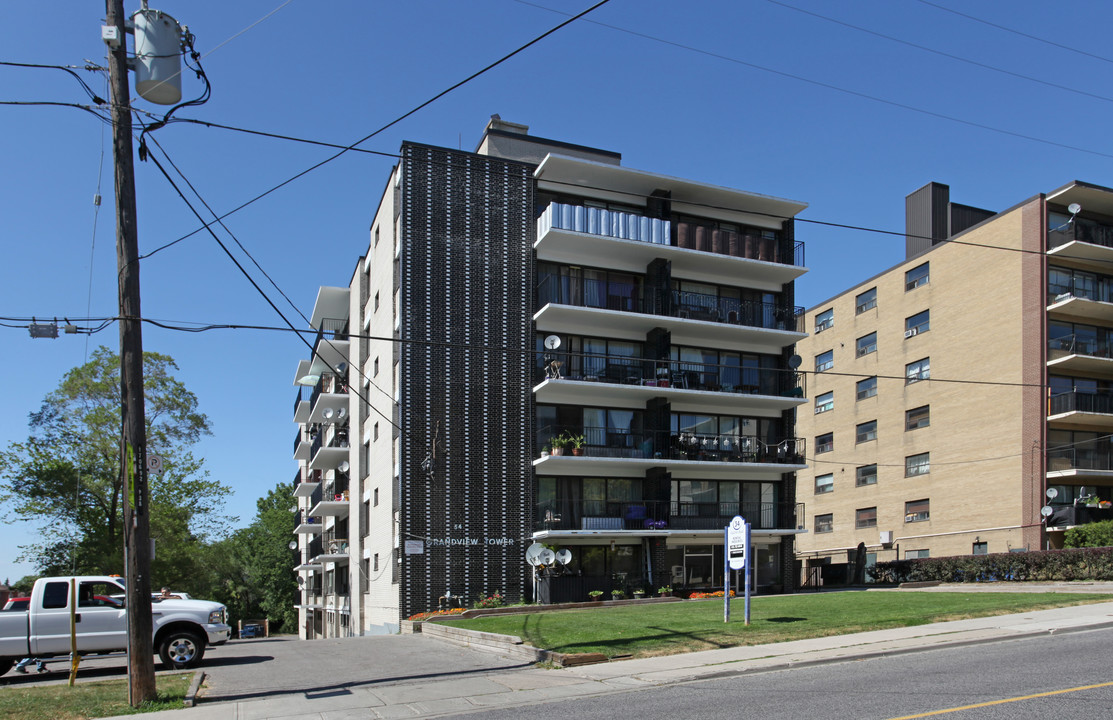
<point>66,475</point>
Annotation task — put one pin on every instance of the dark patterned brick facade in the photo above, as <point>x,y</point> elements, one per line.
<point>466,279</point>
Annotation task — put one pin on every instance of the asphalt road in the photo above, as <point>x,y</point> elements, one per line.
<point>1044,677</point>
<point>248,669</point>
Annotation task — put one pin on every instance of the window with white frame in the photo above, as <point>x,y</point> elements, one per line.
<point>866,388</point>
<point>825,361</point>
<point>824,483</point>
<point>865,301</point>
<point>919,464</point>
<point>867,344</point>
<point>917,511</point>
<point>917,371</point>
<point>825,402</point>
<point>865,432</point>
<point>916,277</point>
<point>824,320</point>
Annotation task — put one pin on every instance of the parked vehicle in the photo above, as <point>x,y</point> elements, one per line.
<point>181,628</point>
<point>18,603</point>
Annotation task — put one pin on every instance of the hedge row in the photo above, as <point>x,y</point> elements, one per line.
<point>1047,565</point>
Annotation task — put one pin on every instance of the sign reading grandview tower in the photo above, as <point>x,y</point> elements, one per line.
<point>737,543</point>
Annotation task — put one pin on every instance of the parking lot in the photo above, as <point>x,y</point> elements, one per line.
<point>265,667</point>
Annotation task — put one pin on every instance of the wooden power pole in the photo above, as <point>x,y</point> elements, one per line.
<point>133,443</point>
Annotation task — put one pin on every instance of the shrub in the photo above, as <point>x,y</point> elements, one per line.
<point>1038,566</point>
<point>1096,534</point>
<point>494,600</point>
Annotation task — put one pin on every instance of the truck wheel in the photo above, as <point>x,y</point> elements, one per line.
<point>6,664</point>
<point>181,650</point>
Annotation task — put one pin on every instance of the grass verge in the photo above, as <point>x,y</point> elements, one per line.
<point>98,699</point>
<point>668,628</point>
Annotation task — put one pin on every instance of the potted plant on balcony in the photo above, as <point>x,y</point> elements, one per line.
<point>557,444</point>
<point>546,448</point>
<point>577,442</point>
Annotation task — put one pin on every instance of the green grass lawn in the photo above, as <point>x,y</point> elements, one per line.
<point>102,698</point>
<point>667,628</point>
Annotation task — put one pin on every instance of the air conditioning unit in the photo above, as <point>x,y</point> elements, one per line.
<point>887,538</point>
<point>910,333</point>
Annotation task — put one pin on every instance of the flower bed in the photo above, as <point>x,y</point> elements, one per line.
<point>705,595</point>
<point>435,613</point>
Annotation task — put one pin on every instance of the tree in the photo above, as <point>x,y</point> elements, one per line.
<point>66,475</point>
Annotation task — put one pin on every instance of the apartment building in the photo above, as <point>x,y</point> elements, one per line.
<point>542,345</point>
<point>961,399</point>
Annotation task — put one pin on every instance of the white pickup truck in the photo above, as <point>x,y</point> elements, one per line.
<point>182,628</point>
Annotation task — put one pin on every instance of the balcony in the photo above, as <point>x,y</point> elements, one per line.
<point>609,450</point>
<point>306,482</point>
<point>588,379</point>
<point>1080,353</point>
<point>1081,410</point>
<point>660,518</point>
<point>304,524</point>
<point>330,347</point>
<point>329,455</point>
<point>302,405</point>
<point>333,500</point>
<point>305,561</point>
<point>332,548</point>
<point>624,311</point>
<point>1084,461</point>
<point>303,445</point>
<point>1081,300</point>
<point>329,399</point>
<point>1083,243</point>
<point>1065,516</point>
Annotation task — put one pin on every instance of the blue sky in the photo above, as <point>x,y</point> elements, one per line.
<point>743,93</point>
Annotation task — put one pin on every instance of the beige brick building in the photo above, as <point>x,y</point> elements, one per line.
<point>952,391</point>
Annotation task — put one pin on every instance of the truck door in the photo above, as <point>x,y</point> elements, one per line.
<point>101,621</point>
<point>50,619</point>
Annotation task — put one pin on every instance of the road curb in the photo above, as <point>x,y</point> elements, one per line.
<point>194,687</point>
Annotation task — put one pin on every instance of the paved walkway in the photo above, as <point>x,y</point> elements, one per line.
<point>526,686</point>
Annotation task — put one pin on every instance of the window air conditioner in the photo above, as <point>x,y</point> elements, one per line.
<point>886,537</point>
<point>910,333</point>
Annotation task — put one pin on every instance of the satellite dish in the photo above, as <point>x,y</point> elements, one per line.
<point>1074,208</point>
<point>328,413</point>
<point>293,545</point>
<point>344,466</point>
<point>533,554</point>
<point>1052,493</point>
<point>552,342</point>
<point>341,413</point>
<point>1046,511</point>
<point>564,556</point>
<point>795,361</point>
<point>547,556</point>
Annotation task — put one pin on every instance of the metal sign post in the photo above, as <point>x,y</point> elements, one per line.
<point>736,541</point>
<point>746,572</point>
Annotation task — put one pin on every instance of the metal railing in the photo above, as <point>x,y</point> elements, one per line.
<point>331,329</point>
<point>301,396</point>
<point>1075,344</point>
<point>1082,230</point>
<point>1075,401</point>
<point>731,311</point>
<point>723,447</point>
<point>339,439</point>
<point>1080,458</point>
<point>579,292</point>
<point>684,374</point>
<point>737,244</point>
<point>299,437</point>
<point>332,543</point>
<point>328,383</point>
<point>627,514</point>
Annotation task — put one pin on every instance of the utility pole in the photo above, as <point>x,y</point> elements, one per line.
<point>133,443</point>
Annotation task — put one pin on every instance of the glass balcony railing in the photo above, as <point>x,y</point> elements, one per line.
<point>1077,344</point>
<point>623,443</point>
<point>1084,402</point>
<point>1080,457</point>
<point>688,375</point>
<point>634,514</point>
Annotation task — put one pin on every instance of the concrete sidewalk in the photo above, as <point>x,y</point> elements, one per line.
<point>529,686</point>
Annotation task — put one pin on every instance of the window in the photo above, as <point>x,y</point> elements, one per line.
<point>865,301</point>
<point>865,475</point>
<point>56,595</point>
<point>917,511</point>
<point>916,324</point>
<point>917,371</point>
<point>865,517</point>
<point>375,431</point>
<point>917,418</point>
<point>376,236</point>
<point>824,402</point>
<point>981,548</point>
<point>824,320</point>
<point>867,344</point>
<point>376,302</point>
<point>916,277</point>
<point>824,483</point>
<point>824,443</point>
<point>375,371</point>
<point>375,565</point>
<point>917,465</point>
<point>916,554</point>
<point>375,497</point>
<point>867,388</point>
<point>866,431</point>
<point>824,523</point>
<point>825,361</point>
